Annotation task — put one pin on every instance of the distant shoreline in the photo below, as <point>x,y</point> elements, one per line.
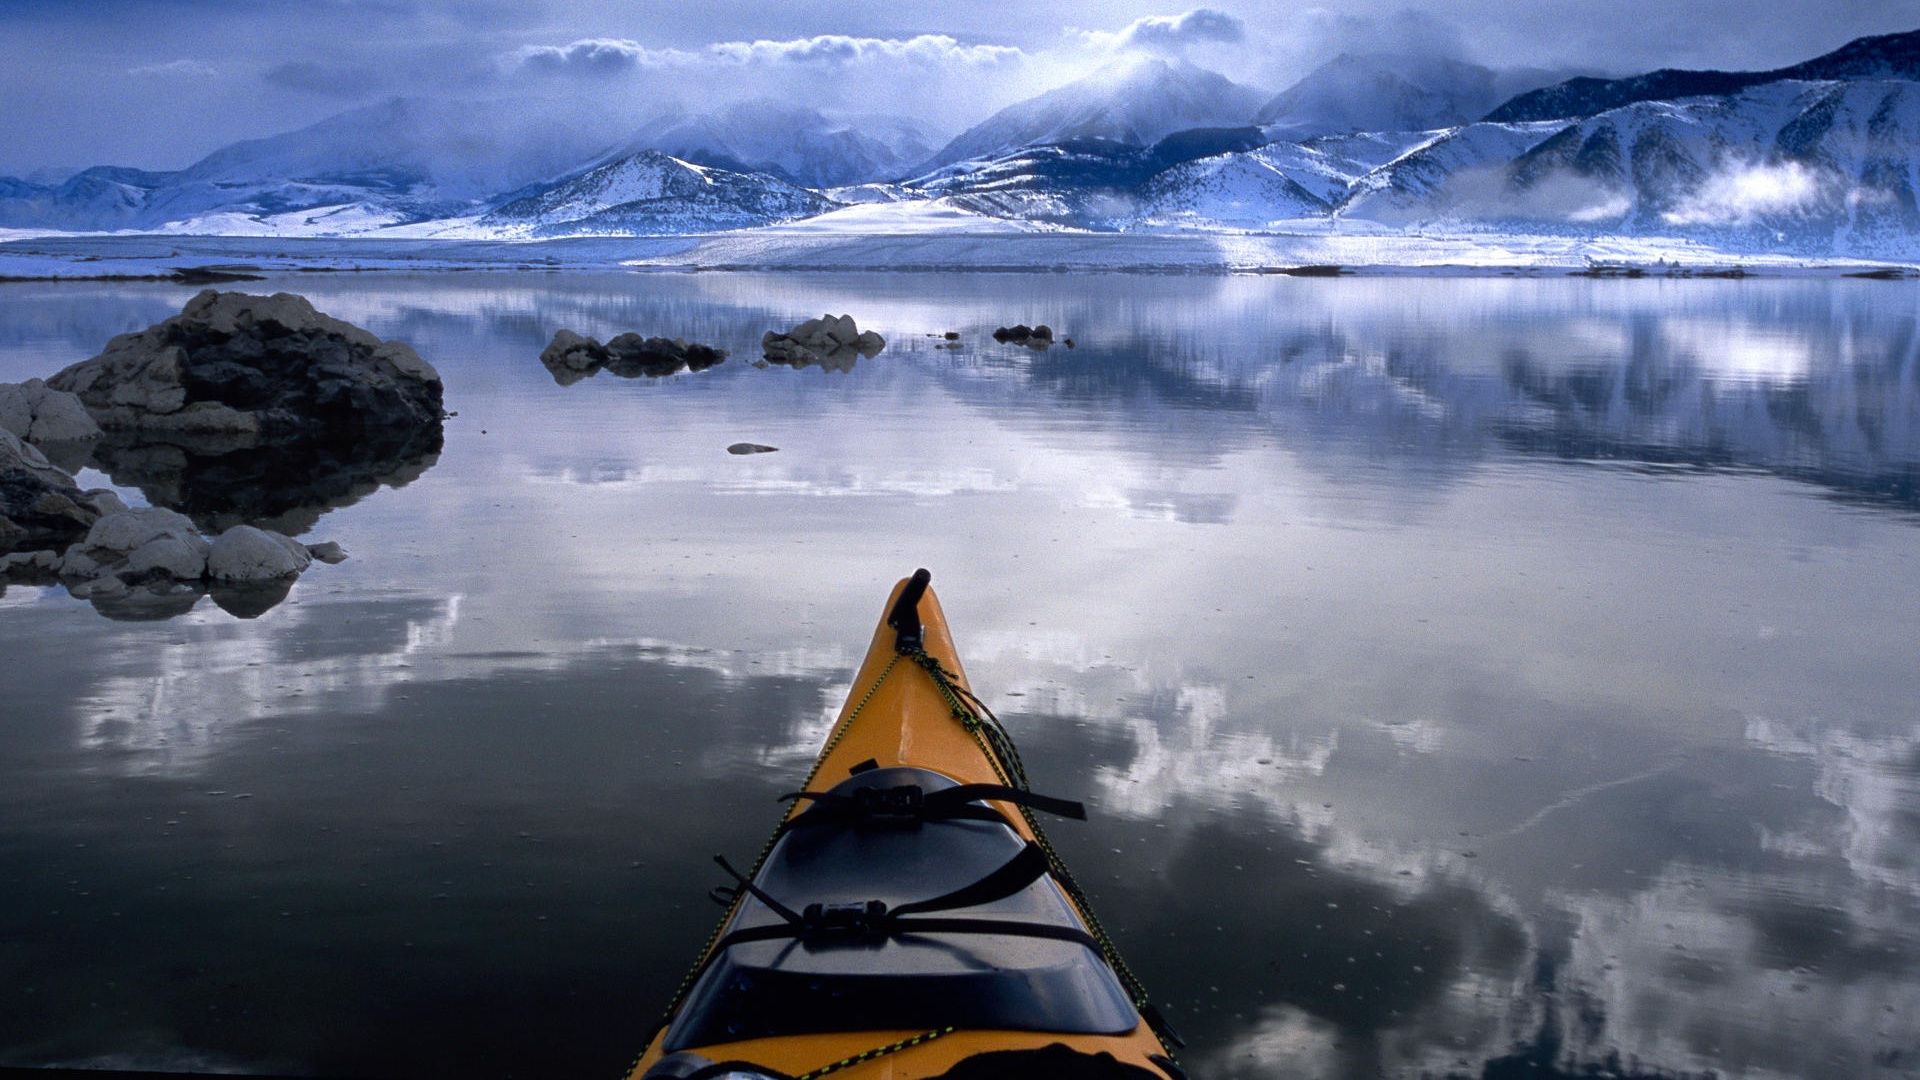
<point>206,260</point>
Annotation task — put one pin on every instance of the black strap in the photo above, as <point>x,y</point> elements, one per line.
<point>874,919</point>
<point>1013,875</point>
<point>907,802</point>
<point>919,925</point>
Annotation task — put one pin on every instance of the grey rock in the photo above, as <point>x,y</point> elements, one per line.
<point>571,357</point>
<point>40,505</point>
<point>236,363</point>
<point>169,555</point>
<point>832,342</point>
<point>750,448</point>
<point>246,554</point>
<point>144,543</point>
<point>328,551</point>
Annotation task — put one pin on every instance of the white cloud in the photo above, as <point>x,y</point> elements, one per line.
<point>602,56</point>
<point>177,69</point>
<point>589,56</point>
<point>1166,35</point>
<point>1743,194</point>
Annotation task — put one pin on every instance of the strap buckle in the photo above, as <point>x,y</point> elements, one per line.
<point>906,800</point>
<point>843,920</point>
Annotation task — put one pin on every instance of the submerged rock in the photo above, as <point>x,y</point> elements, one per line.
<point>832,342</point>
<point>571,357</point>
<point>271,365</point>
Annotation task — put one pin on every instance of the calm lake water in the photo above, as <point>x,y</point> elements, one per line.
<point>1462,675</point>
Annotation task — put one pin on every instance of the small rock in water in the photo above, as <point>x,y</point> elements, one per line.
<point>750,448</point>
<point>328,551</point>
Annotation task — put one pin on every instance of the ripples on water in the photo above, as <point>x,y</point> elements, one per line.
<point>1465,675</point>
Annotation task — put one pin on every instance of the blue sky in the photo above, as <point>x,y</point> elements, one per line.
<point>159,83</point>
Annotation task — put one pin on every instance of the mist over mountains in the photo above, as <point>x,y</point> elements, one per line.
<point>1820,157</point>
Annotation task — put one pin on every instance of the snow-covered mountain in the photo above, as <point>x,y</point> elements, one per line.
<point>1889,56</point>
<point>651,194</point>
<point>400,160</point>
<point>1134,103</point>
<point>1380,92</point>
<point>1818,166</point>
<point>1274,183</point>
<point>797,144</point>
<point>1079,183</point>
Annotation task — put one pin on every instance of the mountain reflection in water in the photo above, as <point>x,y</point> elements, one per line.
<point>1465,677</point>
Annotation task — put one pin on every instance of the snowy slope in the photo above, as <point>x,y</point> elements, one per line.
<point>1277,182</point>
<point>399,160</point>
<point>797,144</point>
<point>1889,56</point>
<point>1135,103</point>
<point>1446,166</point>
<point>1809,166</point>
<point>651,194</point>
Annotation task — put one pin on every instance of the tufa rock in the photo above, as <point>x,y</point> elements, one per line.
<point>832,342</point>
<point>237,363</point>
<point>246,555</point>
<point>40,414</point>
<point>1033,337</point>
<point>572,357</point>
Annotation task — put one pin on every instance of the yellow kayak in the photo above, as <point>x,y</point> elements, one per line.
<point>908,917</point>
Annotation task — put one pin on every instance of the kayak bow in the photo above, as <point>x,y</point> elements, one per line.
<point>908,918</point>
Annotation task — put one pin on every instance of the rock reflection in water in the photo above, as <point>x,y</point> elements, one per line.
<point>224,480</point>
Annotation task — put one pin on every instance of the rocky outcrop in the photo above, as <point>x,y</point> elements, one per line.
<point>39,414</point>
<point>233,363</point>
<point>152,563</point>
<point>40,505</point>
<point>1033,337</point>
<point>834,343</point>
<point>572,357</point>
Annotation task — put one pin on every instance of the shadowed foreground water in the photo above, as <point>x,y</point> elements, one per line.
<point>1466,677</point>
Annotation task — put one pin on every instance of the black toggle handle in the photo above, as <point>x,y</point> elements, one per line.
<point>905,617</point>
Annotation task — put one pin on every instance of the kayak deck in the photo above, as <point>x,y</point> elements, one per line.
<point>908,914</point>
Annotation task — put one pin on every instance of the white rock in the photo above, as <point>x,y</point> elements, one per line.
<point>57,415</point>
<point>244,553</point>
<point>172,556</point>
<point>129,530</point>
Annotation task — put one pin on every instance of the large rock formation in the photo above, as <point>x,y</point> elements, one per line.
<point>572,357</point>
<point>232,363</point>
<point>834,343</point>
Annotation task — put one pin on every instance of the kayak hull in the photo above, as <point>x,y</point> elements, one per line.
<point>910,709</point>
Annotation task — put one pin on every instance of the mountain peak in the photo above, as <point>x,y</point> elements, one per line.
<point>1888,56</point>
<point>1136,102</point>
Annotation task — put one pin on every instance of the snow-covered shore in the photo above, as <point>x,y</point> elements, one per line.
<point>1314,245</point>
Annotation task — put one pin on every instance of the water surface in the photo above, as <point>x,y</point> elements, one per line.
<point>1462,674</point>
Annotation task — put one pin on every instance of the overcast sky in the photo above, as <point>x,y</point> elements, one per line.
<point>159,83</point>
